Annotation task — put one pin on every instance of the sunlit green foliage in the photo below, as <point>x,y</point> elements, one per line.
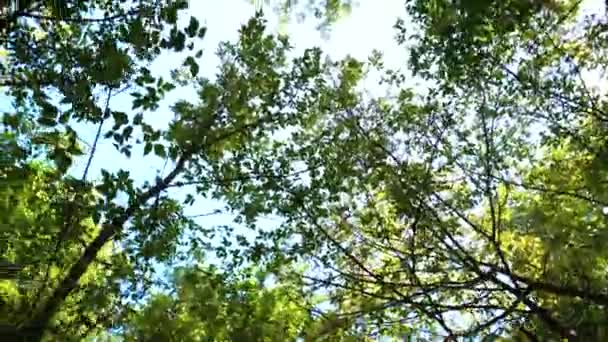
<point>76,236</point>
<point>208,306</point>
<point>476,206</point>
<point>325,12</point>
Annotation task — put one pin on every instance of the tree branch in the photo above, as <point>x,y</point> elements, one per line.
<point>42,318</point>
<point>97,135</point>
<point>25,14</point>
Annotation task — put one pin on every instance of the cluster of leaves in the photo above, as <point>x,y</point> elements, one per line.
<point>207,305</point>
<point>326,12</point>
<point>88,247</point>
<point>36,236</point>
<point>482,196</point>
<point>469,208</point>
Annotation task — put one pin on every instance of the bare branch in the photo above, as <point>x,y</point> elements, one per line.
<point>97,135</point>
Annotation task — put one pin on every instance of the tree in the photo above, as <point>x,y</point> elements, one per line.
<point>530,62</point>
<point>210,306</point>
<point>472,207</point>
<point>481,195</point>
<point>35,201</point>
<point>93,235</point>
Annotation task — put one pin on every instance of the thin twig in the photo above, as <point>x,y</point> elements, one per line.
<point>97,135</point>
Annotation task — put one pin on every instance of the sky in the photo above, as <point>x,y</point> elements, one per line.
<point>368,27</point>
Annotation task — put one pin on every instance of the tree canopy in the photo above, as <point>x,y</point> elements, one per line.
<point>472,206</point>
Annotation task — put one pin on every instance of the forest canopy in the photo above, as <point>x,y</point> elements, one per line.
<point>473,206</point>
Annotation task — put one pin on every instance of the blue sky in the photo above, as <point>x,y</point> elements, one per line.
<point>368,27</point>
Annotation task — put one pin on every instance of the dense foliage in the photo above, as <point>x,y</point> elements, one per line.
<point>473,206</point>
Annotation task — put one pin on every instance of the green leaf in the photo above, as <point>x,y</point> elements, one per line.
<point>168,86</point>
<point>120,118</point>
<point>138,119</point>
<point>177,40</point>
<point>46,121</point>
<point>147,148</point>
<point>193,27</point>
<point>191,62</point>
<point>202,32</point>
<point>159,150</point>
